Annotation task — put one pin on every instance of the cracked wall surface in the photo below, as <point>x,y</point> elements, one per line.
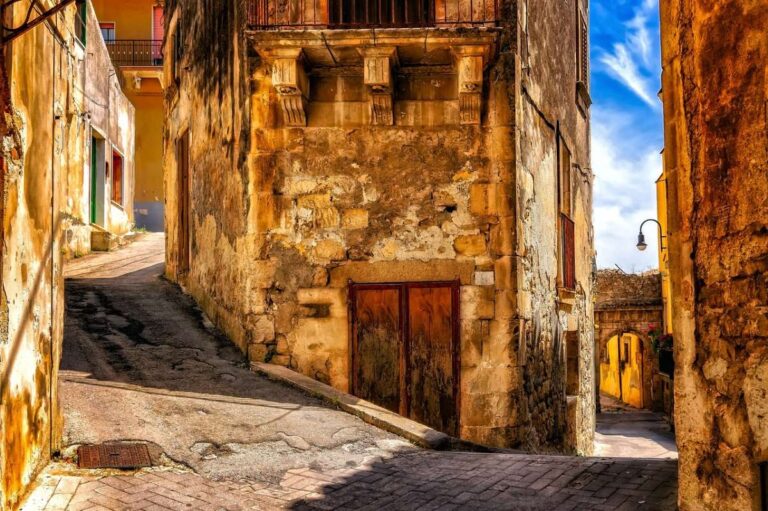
<point>715,88</point>
<point>283,218</point>
<point>45,220</point>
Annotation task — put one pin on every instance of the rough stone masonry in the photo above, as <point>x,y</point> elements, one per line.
<point>715,88</point>
<point>303,159</point>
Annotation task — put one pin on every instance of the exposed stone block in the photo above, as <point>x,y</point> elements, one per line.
<point>354,219</point>
<point>477,302</point>
<point>484,278</point>
<point>333,297</point>
<point>327,218</point>
<point>470,245</point>
<point>330,249</point>
<point>314,201</point>
<point>258,352</point>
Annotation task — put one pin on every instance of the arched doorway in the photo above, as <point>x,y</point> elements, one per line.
<point>621,369</point>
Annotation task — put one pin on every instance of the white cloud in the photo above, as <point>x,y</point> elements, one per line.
<point>634,61</point>
<point>626,166</point>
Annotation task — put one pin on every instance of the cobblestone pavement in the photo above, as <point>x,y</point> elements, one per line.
<point>416,481</point>
<point>141,365</point>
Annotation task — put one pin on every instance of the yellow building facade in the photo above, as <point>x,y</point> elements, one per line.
<point>661,212</point>
<point>133,32</point>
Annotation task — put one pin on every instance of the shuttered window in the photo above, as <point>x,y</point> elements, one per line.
<point>158,23</point>
<point>582,45</point>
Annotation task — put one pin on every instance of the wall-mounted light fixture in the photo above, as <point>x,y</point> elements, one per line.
<point>641,244</point>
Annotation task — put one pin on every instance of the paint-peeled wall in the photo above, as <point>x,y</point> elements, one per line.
<point>715,88</point>
<point>284,218</point>
<point>47,107</point>
<point>42,155</point>
<point>112,123</point>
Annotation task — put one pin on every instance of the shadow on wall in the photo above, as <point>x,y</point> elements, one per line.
<point>25,420</point>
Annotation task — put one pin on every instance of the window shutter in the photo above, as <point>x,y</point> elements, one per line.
<point>583,50</point>
<point>158,23</point>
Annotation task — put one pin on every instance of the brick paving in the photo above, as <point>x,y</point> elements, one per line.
<point>419,481</point>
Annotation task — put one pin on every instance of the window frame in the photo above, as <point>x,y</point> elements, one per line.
<point>81,22</point>
<point>566,259</point>
<point>114,30</point>
<point>117,155</point>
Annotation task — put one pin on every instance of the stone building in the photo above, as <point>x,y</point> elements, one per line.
<point>51,112</point>
<point>632,365</point>
<point>394,199</point>
<point>715,91</point>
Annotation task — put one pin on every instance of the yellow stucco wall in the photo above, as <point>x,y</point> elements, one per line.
<point>149,147</point>
<point>133,20</point>
<point>661,212</point>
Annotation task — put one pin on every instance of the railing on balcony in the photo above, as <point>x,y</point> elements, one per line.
<point>304,14</point>
<point>568,252</point>
<point>136,52</point>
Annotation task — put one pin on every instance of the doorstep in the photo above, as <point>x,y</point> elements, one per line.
<point>419,434</point>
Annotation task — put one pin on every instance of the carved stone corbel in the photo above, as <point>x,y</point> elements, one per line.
<point>378,77</point>
<point>289,78</point>
<point>470,62</point>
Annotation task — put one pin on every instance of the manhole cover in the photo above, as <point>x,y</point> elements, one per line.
<point>113,456</point>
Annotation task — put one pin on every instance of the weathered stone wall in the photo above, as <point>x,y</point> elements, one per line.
<point>715,88</point>
<point>546,110</point>
<point>283,218</point>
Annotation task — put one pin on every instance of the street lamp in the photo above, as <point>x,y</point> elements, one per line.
<point>641,244</point>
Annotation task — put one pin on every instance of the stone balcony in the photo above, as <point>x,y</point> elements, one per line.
<point>378,40</point>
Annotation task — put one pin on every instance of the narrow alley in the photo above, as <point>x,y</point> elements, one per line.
<point>141,364</point>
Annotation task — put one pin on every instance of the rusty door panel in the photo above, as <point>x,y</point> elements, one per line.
<point>377,346</point>
<point>431,358</point>
<point>404,349</point>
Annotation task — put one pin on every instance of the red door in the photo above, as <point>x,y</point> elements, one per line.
<point>405,349</point>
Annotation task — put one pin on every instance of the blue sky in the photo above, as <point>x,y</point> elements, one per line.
<point>627,135</point>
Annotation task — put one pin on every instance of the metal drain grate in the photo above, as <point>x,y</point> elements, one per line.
<point>113,456</point>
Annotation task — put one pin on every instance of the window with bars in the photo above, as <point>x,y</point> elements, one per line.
<point>381,13</point>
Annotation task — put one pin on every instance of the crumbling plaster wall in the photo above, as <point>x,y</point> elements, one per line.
<point>284,218</point>
<point>112,116</point>
<point>715,88</point>
<point>42,154</point>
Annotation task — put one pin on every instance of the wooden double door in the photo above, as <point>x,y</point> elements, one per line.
<point>405,349</point>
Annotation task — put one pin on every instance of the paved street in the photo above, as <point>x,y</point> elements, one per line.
<point>142,364</point>
<point>626,432</point>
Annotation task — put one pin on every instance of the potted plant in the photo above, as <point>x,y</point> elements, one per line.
<point>662,344</point>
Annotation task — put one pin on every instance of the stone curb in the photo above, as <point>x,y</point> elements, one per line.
<point>416,433</point>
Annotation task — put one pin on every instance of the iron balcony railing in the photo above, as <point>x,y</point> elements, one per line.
<point>136,52</point>
<point>305,14</point>
<point>568,252</point>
